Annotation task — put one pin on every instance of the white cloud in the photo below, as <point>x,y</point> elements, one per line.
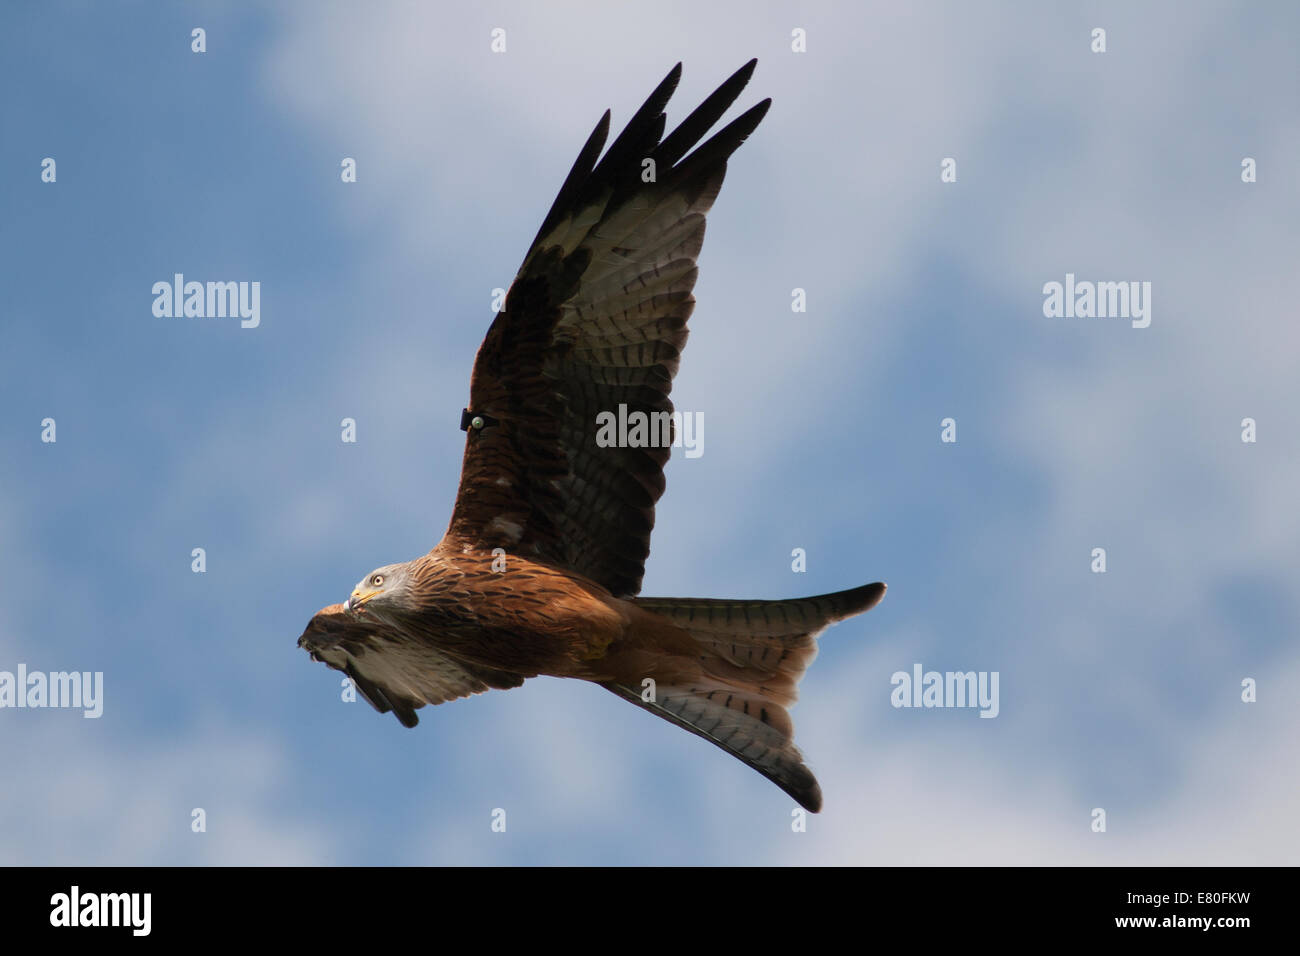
<point>939,802</point>
<point>89,799</point>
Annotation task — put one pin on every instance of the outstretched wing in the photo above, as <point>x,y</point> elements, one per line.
<point>392,671</point>
<point>595,322</point>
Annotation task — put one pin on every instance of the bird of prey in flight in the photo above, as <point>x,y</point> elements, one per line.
<point>540,570</point>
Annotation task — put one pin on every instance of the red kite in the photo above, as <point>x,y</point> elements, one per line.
<point>540,570</point>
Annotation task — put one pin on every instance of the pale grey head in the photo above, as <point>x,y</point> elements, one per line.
<point>386,588</point>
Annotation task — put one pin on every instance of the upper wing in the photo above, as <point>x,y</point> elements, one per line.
<point>390,670</point>
<point>595,320</point>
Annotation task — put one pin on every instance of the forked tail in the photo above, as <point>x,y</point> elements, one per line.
<point>732,681</point>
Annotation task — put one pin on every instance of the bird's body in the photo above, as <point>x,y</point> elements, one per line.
<point>523,618</point>
<point>541,567</point>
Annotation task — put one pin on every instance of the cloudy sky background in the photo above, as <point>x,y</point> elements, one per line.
<point>1119,691</point>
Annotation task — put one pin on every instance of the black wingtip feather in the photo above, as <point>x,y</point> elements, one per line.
<point>577,177</point>
<point>643,130</point>
<point>643,136</point>
<point>692,129</point>
<point>722,144</point>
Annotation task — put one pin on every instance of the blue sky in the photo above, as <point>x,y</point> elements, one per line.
<point>1119,690</point>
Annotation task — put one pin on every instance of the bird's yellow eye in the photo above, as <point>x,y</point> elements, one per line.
<point>377,580</point>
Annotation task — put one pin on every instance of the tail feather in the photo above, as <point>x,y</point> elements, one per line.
<point>747,657</point>
<point>765,747</point>
<point>787,618</point>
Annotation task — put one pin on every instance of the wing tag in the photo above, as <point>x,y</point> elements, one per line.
<point>476,422</point>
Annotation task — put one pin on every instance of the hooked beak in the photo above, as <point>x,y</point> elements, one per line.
<point>359,599</point>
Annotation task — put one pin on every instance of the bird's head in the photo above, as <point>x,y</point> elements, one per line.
<point>382,589</point>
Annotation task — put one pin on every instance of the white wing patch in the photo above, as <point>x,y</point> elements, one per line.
<point>510,529</point>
